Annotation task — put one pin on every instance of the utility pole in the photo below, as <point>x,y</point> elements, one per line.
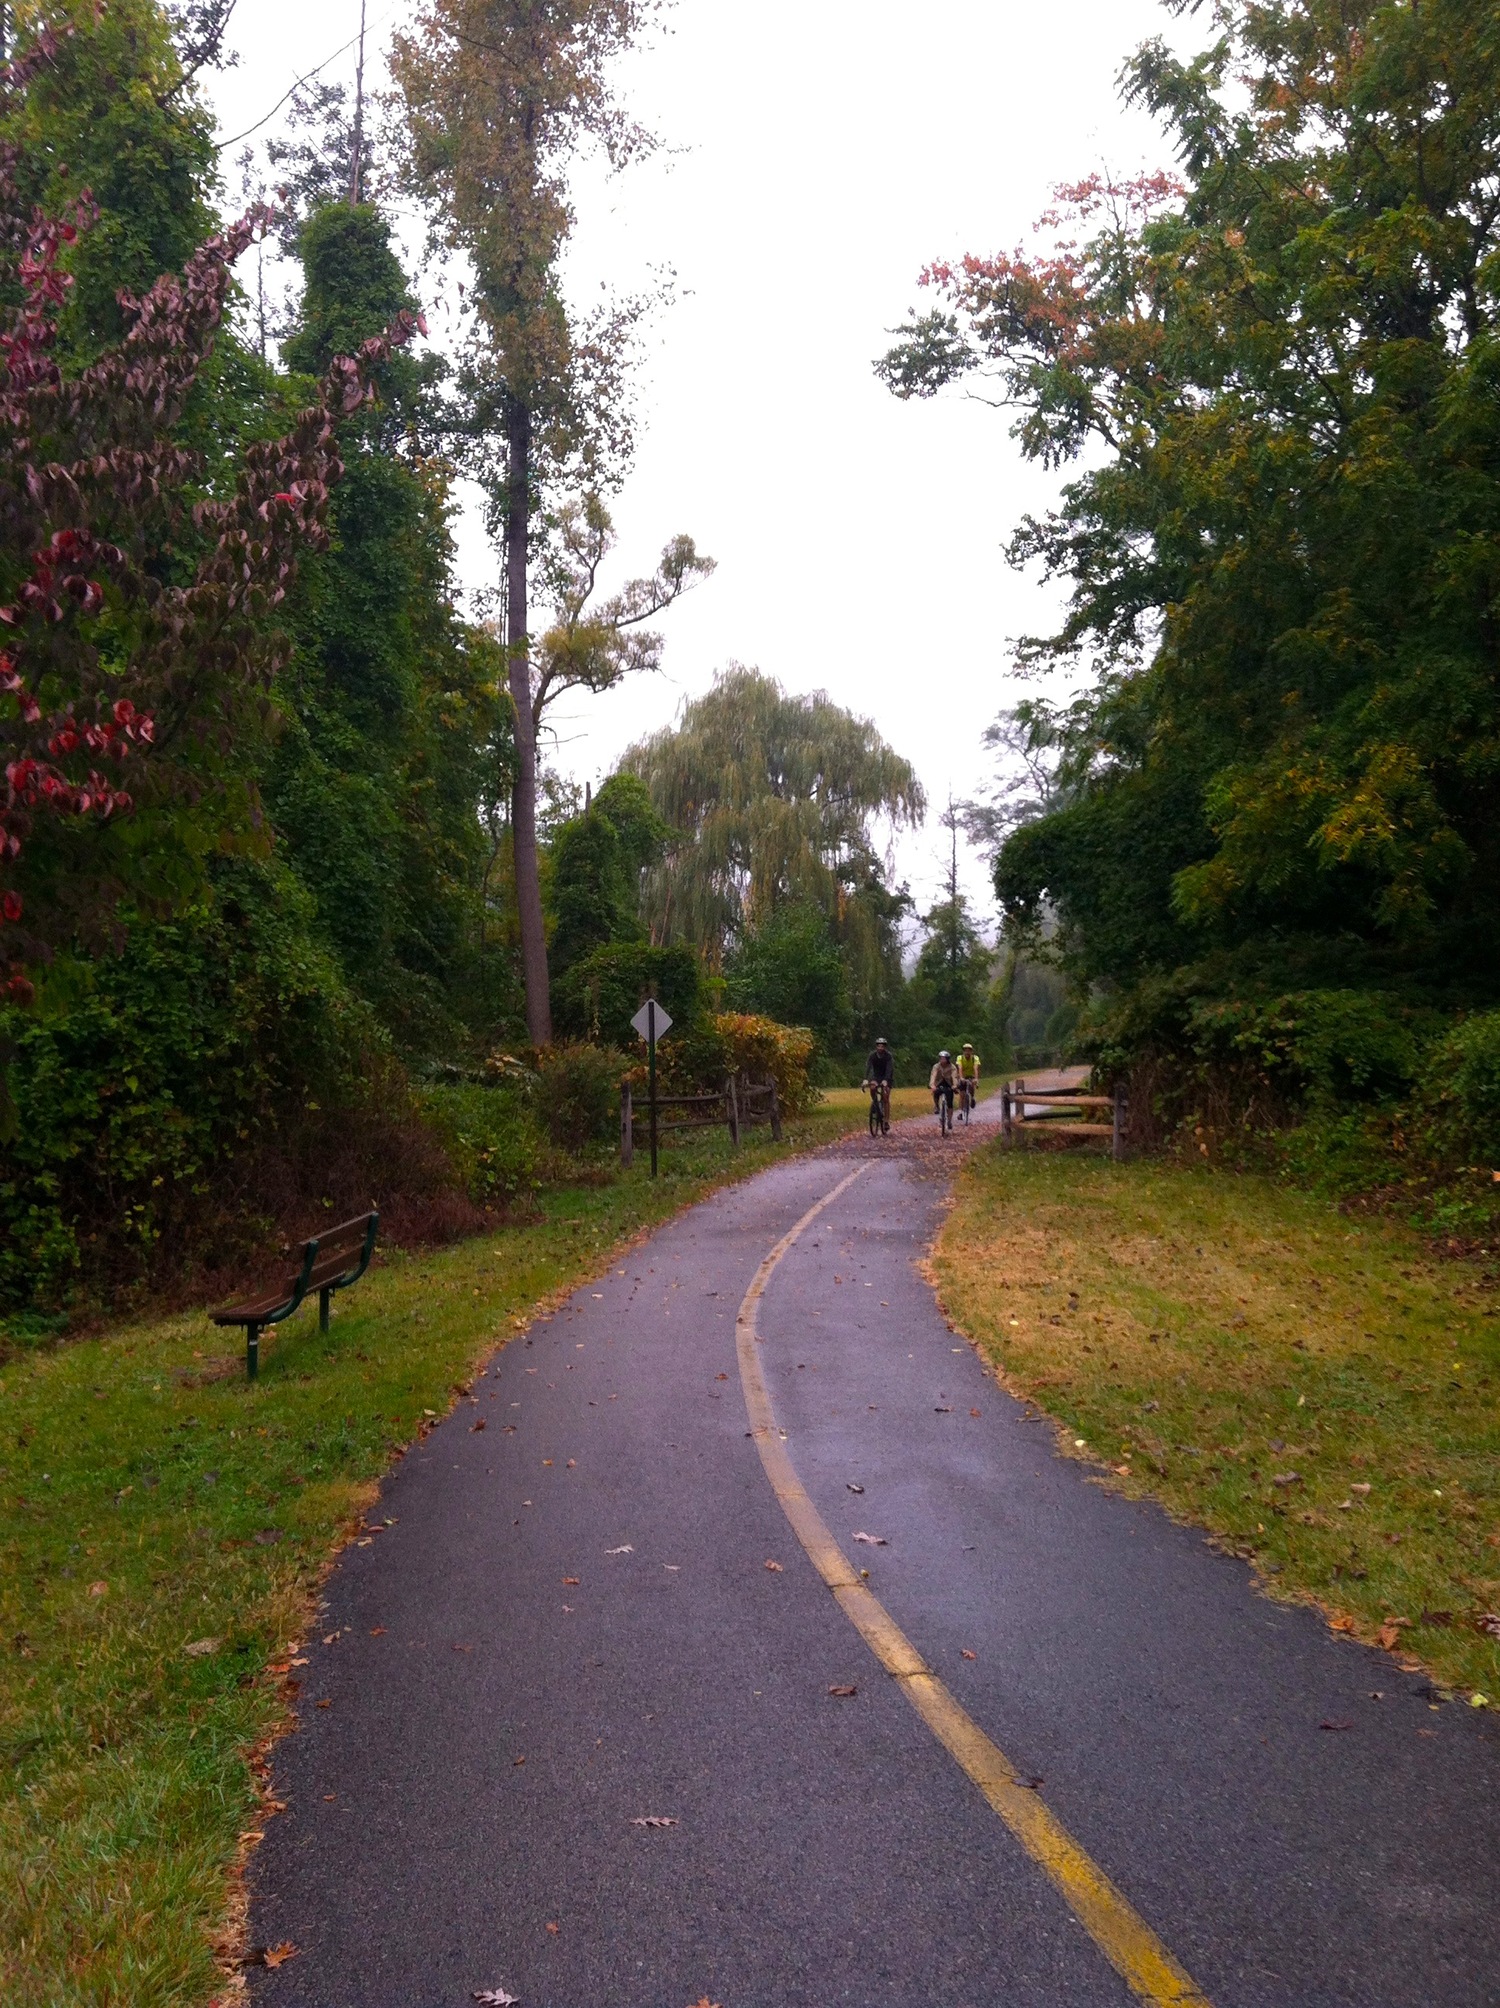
<point>356,164</point>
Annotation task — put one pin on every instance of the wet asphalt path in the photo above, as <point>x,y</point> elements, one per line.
<point>571,1627</point>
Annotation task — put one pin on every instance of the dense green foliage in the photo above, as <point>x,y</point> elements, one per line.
<point>790,968</point>
<point>133,1071</point>
<point>599,995</point>
<point>597,863</point>
<point>226,970</point>
<point>394,725</point>
<point>1285,546</point>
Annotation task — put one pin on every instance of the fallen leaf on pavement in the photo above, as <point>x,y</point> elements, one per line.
<point>965,1653</point>
<point>942,1411</point>
<point>853,1487</point>
<point>496,1997</point>
<point>1335,1725</point>
<point>626,1550</point>
<point>843,1693</point>
<point>554,1929</point>
<point>547,1463</point>
<point>1341,1624</point>
<point>721,1376</point>
<point>776,1566</point>
<point>325,1703</point>
<point>653,1820</point>
<point>376,1631</point>
<point>571,1582</point>
<point>973,1411</point>
<point>473,1426</point>
<point>517,1762</point>
<point>873,1540</point>
<point>278,1955</point>
<point>704,2003</point>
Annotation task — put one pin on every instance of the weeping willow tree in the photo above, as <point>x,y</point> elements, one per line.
<point>773,798</point>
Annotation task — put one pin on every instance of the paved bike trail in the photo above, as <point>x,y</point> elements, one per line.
<point>572,1627</point>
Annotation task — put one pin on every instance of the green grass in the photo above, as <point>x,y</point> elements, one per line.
<point>151,1501</point>
<point>855,1102</point>
<point>1207,1334</point>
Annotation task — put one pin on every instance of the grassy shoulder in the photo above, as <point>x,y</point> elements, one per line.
<point>163,1529</point>
<point>1318,1391</point>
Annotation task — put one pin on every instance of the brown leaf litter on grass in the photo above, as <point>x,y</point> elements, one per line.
<point>1278,1349</point>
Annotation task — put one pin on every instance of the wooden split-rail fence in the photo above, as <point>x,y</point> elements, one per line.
<point>1057,1103</point>
<point>738,1105</point>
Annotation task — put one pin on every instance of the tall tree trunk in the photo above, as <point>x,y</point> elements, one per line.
<point>523,793</point>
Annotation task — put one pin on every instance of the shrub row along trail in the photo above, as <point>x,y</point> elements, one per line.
<point>610,1713</point>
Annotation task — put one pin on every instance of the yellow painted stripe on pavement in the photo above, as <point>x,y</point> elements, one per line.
<point>1120,1933</point>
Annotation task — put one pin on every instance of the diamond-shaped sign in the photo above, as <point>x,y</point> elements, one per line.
<point>643,1020</point>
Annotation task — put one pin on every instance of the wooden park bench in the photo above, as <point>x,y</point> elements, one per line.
<point>329,1261</point>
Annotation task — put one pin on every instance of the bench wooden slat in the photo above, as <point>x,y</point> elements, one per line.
<point>330,1261</point>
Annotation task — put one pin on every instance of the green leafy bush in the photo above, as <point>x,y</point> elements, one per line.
<point>578,1093</point>
<point>492,1136</point>
<point>1330,1045</point>
<point>139,1075</point>
<point>752,1048</point>
<point>1457,1106</point>
<point>600,994</point>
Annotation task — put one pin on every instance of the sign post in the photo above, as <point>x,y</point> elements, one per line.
<point>652,1023</point>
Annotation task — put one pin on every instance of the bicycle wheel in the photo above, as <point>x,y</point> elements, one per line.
<point>875,1119</point>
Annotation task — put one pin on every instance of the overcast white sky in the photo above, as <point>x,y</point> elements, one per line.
<point>816,154</point>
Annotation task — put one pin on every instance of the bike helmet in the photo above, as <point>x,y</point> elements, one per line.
<point>945,1054</point>
<point>880,1042</point>
<point>968,1045</point>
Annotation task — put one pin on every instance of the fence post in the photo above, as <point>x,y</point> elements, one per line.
<point>1005,1111</point>
<point>1117,1137</point>
<point>733,1101</point>
<point>775,1112</point>
<point>627,1127</point>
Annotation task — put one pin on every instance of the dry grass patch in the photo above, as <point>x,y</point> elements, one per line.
<point>1320,1392</point>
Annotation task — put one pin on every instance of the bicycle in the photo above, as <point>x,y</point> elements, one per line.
<point>880,1108</point>
<point>944,1109</point>
<point>966,1098</point>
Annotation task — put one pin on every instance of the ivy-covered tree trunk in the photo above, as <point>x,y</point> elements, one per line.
<point>523,793</point>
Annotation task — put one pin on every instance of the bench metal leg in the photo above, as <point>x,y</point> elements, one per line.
<point>324,1297</point>
<point>252,1352</point>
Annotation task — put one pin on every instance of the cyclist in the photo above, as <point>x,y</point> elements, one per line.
<point>943,1081</point>
<point>880,1071</point>
<point>968,1077</point>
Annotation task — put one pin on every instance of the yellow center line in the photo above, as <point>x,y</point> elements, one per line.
<point>1124,1937</point>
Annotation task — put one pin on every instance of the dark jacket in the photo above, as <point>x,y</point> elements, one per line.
<point>881,1067</point>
